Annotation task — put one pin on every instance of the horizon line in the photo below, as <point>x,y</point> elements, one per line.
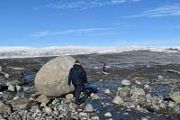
<point>86,46</point>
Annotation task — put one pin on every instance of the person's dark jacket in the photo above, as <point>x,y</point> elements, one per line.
<point>77,75</point>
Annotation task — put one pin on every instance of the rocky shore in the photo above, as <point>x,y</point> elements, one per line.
<point>126,92</point>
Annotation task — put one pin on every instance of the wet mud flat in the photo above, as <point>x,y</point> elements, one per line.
<point>160,71</point>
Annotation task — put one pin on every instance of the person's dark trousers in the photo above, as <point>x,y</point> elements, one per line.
<point>77,93</point>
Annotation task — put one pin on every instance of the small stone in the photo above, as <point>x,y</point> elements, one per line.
<point>171,104</point>
<point>107,91</point>
<point>156,107</point>
<point>55,101</point>
<point>19,103</point>
<point>162,105</point>
<point>48,110</point>
<point>69,97</point>
<point>95,96</point>
<point>6,75</point>
<point>83,114</point>
<point>160,77</point>
<point>146,87</point>
<point>110,119</point>
<point>149,98</point>
<point>42,99</point>
<point>89,108</point>
<point>72,106</point>
<point>16,97</point>
<point>95,118</point>
<point>125,82</point>
<point>79,110</point>
<point>138,82</point>
<point>118,100</point>
<point>131,106</point>
<point>143,118</point>
<point>1,118</point>
<point>11,88</point>
<point>176,97</point>
<point>108,115</point>
<point>5,108</point>
<point>105,73</point>
<point>126,113</point>
<point>136,92</point>
<point>123,92</point>
<point>25,88</point>
<point>18,88</point>
<point>43,104</point>
<point>107,104</point>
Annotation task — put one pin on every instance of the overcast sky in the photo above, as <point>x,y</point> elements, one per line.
<point>89,22</point>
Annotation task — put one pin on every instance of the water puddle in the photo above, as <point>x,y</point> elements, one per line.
<point>161,90</point>
<point>28,77</point>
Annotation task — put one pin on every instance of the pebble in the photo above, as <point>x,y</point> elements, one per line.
<point>118,100</point>
<point>83,114</point>
<point>89,108</point>
<point>171,104</point>
<point>176,96</point>
<point>48,110</point>
<point>138,82</point>
<point>69,97</point>
<point>95,118</point>
<point>107,91</point>
<point>146,87</point>
<point>55,101</point>
<point>126,113</point>
<point>125,82</point>
<point>6,75</point>
<point>160,77</point>
<point>42,99</point>
<point>18,88</point>
<point>11,88</point>
<point>143,118</point>
<point>108,115</point>
<point>95,96</point>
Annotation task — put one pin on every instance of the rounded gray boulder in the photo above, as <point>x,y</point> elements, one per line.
<point>52,78</point>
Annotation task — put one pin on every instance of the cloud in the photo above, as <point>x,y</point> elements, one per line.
<point>163,11</point>
<point>84,31</point>
<point>84,4</point>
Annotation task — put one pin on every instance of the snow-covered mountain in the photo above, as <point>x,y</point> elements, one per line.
<point>24,52</point>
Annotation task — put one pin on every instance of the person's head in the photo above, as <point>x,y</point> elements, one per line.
<point>77,62</point>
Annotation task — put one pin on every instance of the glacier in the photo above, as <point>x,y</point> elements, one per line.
<point>27,52</point>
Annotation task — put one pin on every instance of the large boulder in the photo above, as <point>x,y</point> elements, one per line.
<point>52,79</point>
